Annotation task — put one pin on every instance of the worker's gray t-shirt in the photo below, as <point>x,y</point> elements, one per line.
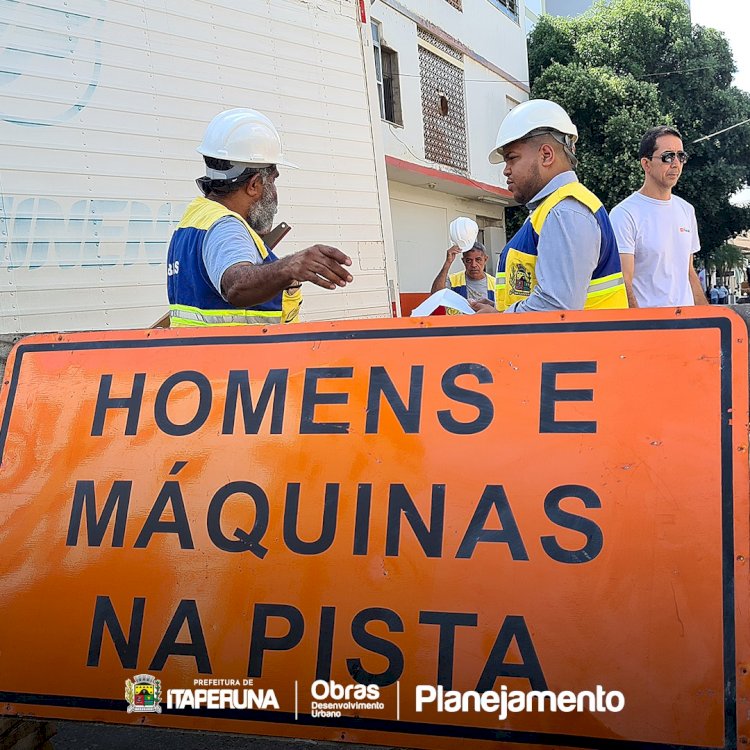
<point>226,243</point>
<point>476,289</point>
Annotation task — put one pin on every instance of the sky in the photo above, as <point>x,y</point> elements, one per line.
<point>733,18</point>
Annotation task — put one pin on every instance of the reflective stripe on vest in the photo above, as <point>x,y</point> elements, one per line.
<point>500,286</point>
<point>193,299</point>
<point>182,316</point>
<point>516,273</point>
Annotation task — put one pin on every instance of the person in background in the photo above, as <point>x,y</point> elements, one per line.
<point>657,234</point>
<point>473,283</point>
<point>219,271</point>
<point>723,294</point>
<point>713,295</point>
<point>564,257</point>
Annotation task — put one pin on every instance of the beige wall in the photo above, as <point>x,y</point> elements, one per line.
<point>420,228</point>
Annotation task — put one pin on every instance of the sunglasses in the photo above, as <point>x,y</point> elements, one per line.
<point>669,156</point>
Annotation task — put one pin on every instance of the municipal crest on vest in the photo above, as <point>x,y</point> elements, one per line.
<point>520,279</point>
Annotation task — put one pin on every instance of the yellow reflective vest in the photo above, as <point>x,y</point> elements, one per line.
<point>516,277</point>
<point>193,300</point>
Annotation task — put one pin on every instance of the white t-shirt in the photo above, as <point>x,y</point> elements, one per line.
<point>662,235</point>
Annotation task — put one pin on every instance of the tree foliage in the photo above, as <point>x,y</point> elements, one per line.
<point>725,259</point>
<point>627,65</point>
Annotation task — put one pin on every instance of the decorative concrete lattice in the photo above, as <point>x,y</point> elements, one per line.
<point>443,109</point>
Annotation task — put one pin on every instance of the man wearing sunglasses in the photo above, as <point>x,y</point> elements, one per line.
<point>656,231</point>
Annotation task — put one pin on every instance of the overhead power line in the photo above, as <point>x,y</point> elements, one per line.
<point>719,132</point>
<point>519,80</point>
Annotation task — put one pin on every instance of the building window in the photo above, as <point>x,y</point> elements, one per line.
<point>443,102</point>
<point>386,74</point>
<point>509,6</point>
<point>455,3</point>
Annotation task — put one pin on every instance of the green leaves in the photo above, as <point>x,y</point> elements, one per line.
<point>726,258</point>
<point>611,113</point>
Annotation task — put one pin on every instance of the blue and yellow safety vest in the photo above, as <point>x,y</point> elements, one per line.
<point>516,277</point>
<point>193,300</point>
<point>458,285</point>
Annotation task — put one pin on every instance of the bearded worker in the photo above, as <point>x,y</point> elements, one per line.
<point>219,270</point>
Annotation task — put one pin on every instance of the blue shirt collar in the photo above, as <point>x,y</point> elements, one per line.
<point>564,178</point>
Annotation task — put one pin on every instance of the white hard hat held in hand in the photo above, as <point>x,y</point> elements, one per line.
<point>464,232</point>
<point>243,136</point>
<point>528,118</point>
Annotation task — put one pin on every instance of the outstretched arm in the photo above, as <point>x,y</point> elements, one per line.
<point>246,284</point>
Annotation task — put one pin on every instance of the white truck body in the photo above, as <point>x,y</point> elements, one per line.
<point>103,104</point>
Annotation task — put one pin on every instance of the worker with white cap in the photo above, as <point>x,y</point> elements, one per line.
<point>564,257</point>
<point>219,271</point>
<point>473,283</point>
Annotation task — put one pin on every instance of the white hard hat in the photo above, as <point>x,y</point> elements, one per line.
<point>464,232</point>
<point>535,114</point>
<point>243,137</point>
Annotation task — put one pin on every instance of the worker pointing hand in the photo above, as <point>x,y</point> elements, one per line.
<point>322,265</point>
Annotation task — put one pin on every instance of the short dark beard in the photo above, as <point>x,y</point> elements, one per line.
<point>526,196</point>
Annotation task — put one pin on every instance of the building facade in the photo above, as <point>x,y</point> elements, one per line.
<point>103,107</point>
<point>447,72</point>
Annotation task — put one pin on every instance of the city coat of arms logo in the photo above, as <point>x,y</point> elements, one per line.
<point>143,694</point>
<point>520,279</point>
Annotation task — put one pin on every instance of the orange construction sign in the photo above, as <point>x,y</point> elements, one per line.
<point>428,533</point>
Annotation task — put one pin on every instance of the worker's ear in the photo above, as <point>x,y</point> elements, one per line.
<point>254,187</point>
<point>547,152</point>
